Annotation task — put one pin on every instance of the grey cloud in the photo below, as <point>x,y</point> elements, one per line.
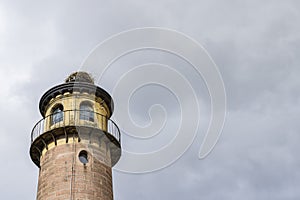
<point>256,46</point>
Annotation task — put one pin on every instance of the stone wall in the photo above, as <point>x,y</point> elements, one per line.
<point>63,176</point>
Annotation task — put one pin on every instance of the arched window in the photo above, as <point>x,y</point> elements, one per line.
<point>86,111</point>
<point>57,114</point>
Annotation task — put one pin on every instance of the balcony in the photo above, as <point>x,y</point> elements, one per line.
<point>65,124</point>
<point>76,118</point>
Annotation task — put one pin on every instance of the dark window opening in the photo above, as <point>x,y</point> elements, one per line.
<point>83,157</point>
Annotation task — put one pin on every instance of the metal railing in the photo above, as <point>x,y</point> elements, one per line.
<point>75,118</point>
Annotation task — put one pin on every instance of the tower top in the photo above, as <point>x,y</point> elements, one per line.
<point>80,82</point>
<point>80,76</point>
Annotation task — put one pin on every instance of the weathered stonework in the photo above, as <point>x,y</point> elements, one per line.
<point>63,176</point>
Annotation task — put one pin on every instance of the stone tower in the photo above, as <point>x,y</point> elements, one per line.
<point>76,144</point>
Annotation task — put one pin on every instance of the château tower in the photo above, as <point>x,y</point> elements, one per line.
<point>76,143</point>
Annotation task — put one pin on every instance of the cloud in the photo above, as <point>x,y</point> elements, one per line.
<point>255,45</point>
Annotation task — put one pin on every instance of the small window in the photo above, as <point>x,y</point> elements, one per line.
<point>57,114</point>
<point>83,157</point>
<point>86,112</point>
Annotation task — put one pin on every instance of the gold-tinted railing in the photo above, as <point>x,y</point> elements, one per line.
<point>75,118</point>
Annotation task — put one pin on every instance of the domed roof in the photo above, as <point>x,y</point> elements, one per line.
<point>80,76</point>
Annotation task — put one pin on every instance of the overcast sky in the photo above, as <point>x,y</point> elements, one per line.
<point>255,44</point>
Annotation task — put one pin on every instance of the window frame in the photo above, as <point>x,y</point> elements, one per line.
<point>86,111</point>
<point>57,114</point>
